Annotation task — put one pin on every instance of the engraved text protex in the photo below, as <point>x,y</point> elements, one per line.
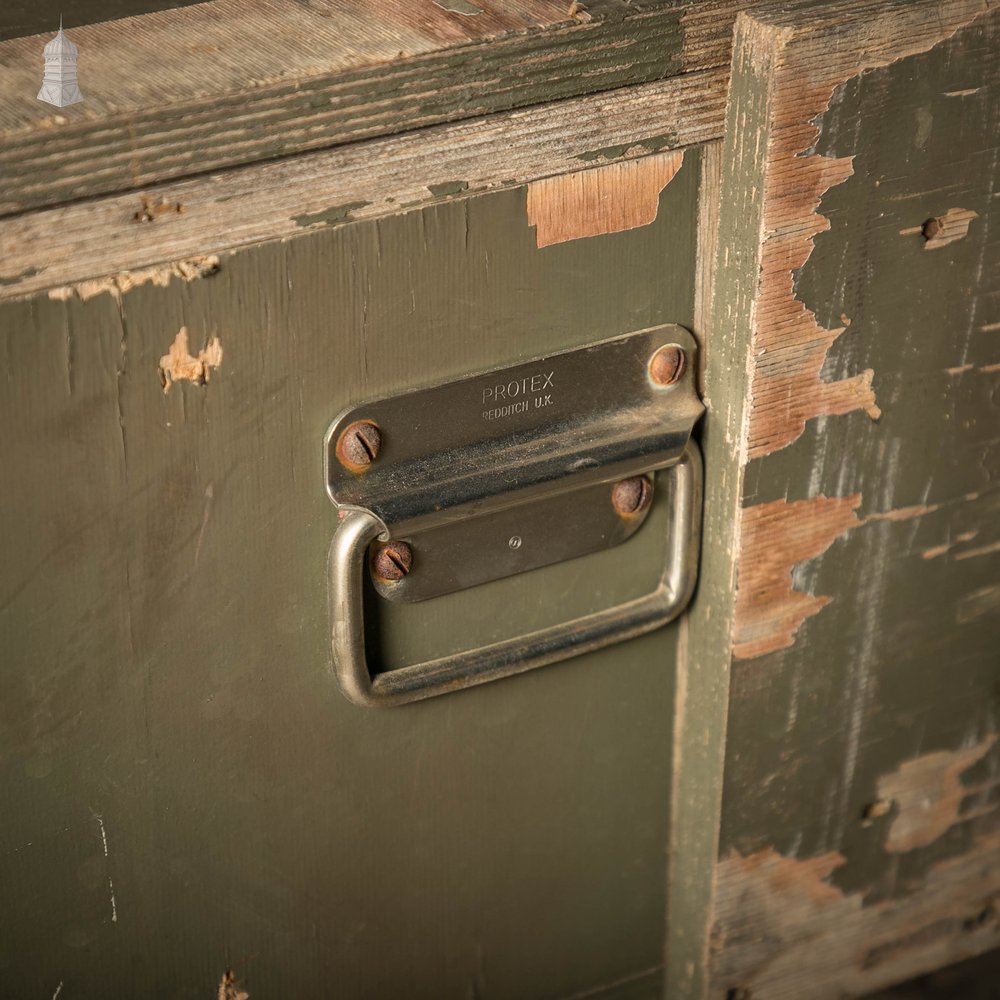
<point>507,398</point>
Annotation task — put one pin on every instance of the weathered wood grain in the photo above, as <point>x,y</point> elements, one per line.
<point>183,92</point>
<point>859,415</point>
<point>163,224</point>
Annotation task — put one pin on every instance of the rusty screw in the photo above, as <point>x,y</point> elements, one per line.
<point>632,496</point>
<point>392,561</point>
<point>666,366</point>
<point>358,445</point>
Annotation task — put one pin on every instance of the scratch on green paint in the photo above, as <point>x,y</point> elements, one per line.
<point>330,216</point>
<point>651,144</point>
<point>18,278</point>
<point>448,187</point>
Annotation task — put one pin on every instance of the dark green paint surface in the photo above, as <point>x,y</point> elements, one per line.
<point>165,669</point>
<point>896,666</point>
<point>974,979</point>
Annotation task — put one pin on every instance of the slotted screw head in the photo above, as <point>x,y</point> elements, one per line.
<point>391,561</point>
<point>666,366</point>
<point>632,496</point>
<point>358,445</point>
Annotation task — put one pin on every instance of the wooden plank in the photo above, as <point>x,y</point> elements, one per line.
<point>702,677</point>
<point>210,215</point>
<point>859,822</point>
<point>182,92</point>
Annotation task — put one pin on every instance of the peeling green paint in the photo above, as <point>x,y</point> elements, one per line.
<point>447,187</point>
<point>330,216</point>
<point>18,278</point>
<point>650,144</point>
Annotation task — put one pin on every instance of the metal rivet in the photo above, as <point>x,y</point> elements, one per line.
<point>632,496</point>
<point>391,561</point>
<point>666,366</point>
<point>358,445</point>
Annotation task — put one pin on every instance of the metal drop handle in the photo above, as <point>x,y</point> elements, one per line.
<point>512,656</point>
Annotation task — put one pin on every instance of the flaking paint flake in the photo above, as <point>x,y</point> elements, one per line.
<point>930,796</point>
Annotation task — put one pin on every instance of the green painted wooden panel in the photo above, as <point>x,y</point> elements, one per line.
<point>184,788</point>
<point>854,351</point>
<point>887,671</point>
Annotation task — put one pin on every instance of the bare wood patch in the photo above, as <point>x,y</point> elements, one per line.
<point>939,550</point>
<point>230,988</point>
<point>790,346</point>
<point>607,199</point>
<point>775,537</point>
<point>179,364</point>
<point>903,513</point>
<point>929,795</point>
<point>947,228</point>
<point>117,284</point>
<point>783,932</point>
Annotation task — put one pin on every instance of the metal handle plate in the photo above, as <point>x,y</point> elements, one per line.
<point>359,528</point>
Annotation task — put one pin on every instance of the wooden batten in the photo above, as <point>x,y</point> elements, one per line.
<point>216,85</point>
<point>170,223</point>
